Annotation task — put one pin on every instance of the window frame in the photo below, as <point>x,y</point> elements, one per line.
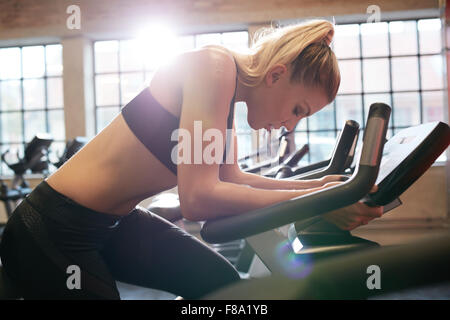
<point>393,128</point>
<point>22,111</point>
<point>343,20</point>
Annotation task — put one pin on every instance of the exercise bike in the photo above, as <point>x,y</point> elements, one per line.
<point>72,147</point>
<point>274,234</point>
<point>35,159</point>
<point>284,153</point>
<point>238,252</point>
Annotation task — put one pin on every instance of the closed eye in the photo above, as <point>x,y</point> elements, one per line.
<point>297,111</point>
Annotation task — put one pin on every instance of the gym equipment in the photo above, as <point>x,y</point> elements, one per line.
<point>275,167</point>
<point>34,156</point>
<point>406,157</point>
<point>35,159</point>
<point>403,269</point>
<point>341,157</point>
<point>167,205</point>
<point>346,144</point>
<point>351,191</point>
<point>321,239</point>
<point>418,147</point>
<point>283,146</point>
<point>72,147</point>
<point>238,252</point>
<point>283,153</point>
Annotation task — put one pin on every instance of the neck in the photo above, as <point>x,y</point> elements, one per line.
<point>242,91</point>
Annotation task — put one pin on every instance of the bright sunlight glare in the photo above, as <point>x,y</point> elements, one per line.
<point>158,44</point>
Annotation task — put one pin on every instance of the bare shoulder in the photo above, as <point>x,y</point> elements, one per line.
<point>218,55</point>
<point>215,55</point>
<point>211,66</point>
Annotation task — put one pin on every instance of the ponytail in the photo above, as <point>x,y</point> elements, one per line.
<point>305,47</point>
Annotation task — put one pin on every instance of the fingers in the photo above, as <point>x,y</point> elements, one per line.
<point>335,178</point>
<point>331,184</point>
<point>369,212</point>
<point>363,217</point>
<point>344,219</point>
<point>353,216</point>
<point>324,186</point>
<point>352,222</point>
<point>374,189</point>
<point>356,222</point>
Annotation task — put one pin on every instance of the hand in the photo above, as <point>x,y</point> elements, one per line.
<point>353,216</point>
<point>332,178</point>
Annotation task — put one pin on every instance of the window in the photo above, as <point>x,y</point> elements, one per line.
<point>31,97</point>
<point>121,72</point>
<point>398,62</point>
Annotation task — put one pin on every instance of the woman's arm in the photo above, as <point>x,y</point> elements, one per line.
<point>262,182</point>
<point>346,218</point>
<point>221,199</point>
<point>208,87</point>
<point>232,173</point>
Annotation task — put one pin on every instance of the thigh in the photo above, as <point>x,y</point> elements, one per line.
<point>40,270</point>
<point>149,251</point>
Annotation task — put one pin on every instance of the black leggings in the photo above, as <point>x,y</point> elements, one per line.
<point>49,232</point>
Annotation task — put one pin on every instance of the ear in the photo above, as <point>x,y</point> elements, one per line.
<point>274,74</point>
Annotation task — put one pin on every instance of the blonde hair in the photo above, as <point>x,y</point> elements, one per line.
<point>304,47</point>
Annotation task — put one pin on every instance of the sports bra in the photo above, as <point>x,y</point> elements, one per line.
<point>153,125</point>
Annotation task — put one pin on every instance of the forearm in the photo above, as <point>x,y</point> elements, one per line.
<point>262,182</point>
<point>225,199</point>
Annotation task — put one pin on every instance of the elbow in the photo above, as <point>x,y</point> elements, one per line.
<point>193,206</point>
<point>232,174</point>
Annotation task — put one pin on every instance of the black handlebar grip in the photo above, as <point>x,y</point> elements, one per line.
<point>344,146</point>
<point>284,172</point>
<point>297,156</point>
<point>373,146</point>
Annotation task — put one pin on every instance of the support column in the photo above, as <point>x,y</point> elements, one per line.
<point>79,102</point>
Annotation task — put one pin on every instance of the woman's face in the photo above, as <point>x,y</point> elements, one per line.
<point>277,102</point>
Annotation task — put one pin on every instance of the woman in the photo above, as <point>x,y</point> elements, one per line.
<point>81,229</point>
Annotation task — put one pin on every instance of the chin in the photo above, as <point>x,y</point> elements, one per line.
<point>252,124</point>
